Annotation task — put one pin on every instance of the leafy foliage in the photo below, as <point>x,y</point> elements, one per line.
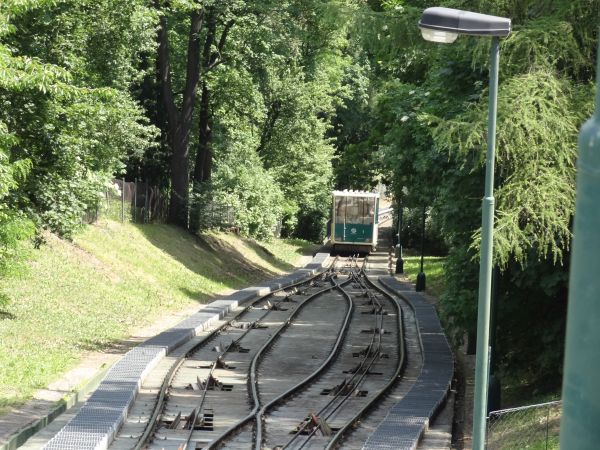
<point>265,106</point>
<point>73,129</point>
<point>428,121</point>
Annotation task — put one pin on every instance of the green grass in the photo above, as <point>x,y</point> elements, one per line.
<point>290,249</point>
<point>92,293</point>
<point>433,266</point>
<point>525,429</point>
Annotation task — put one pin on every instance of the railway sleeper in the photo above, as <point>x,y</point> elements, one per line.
<point>342,389</point>
<point>173,424</point>
<point>237,347</point>
<point>376,310</point>
<point>311,424</point>
<point>220,364</point>
<point>275,306</point>
<point>199,421</point>
<point>373,330</point>
<point>359,367</point>
<point>368,351</point>
<point>205,421</point>
<point>213,384</point>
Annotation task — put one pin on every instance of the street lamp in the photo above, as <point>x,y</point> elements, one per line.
<point>400,260</point>
<point>444,25</point>
<point>420,286</point>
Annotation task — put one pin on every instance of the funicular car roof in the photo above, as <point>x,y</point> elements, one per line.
<point>346,193</point>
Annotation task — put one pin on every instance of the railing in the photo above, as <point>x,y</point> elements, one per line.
<point>534,427</point>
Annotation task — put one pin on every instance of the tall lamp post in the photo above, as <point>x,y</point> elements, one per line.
<point>580,393</point>
<point>444,25</point>
<point>421,285</point>
<point>400,260</point>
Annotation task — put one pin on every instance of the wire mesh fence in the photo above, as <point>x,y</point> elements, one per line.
<point>139,202</point>
<point>534,427</point>
<point>215,215</point>
<point>131,201</point>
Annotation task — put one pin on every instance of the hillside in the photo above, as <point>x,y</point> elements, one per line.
<point>92,293</point>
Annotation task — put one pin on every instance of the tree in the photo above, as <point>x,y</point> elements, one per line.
<point>431,126</point>
<point>179,118</point>
<point>70,114</point>
<point>212,56</point>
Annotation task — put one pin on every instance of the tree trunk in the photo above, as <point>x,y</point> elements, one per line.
<point>210,59</point>
<point>269,125</point>
<point>203,168</point>
<point>180,121</point>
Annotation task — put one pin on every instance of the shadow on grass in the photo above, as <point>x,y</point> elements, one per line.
<point>211,257</point>
<point>111,347</point>
<point>199,295</point>
<point>5,315</point>
<point>270,257</point>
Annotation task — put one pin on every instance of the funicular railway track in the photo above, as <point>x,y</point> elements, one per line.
<point>316,365</point>
<point>184,413</point>
<point>295,370</point>
<point>335,361</point>
<point>367,366</point>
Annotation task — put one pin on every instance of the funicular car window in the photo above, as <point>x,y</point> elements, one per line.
<point>357,210</point>
<point>368,210</point>
<point>340,209</point>
<point>353,210</point>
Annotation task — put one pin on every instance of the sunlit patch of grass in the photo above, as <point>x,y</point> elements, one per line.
<point>433,267</point>
<point>90,293</point>
<point>290,250</point>
<point>535,428</point>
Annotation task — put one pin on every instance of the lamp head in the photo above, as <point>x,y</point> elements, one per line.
<point>443,37</point>
<point>445,24</point>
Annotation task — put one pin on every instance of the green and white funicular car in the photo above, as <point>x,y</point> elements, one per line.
<point>354,221</point>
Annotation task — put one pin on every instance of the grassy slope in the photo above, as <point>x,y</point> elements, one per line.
<point>89,294</point>
<point>433,266</point>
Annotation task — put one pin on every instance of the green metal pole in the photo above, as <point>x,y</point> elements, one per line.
<point>580,423</point>
<point>421,279</point>
<point>482,362</point>
<point>400,260</point>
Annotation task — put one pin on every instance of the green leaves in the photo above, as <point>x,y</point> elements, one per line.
<point>429,122</point>
<point>537,130</point>
<point>67,117</point>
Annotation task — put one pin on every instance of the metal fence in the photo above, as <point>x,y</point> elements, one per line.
<point>534,427</point>
<point>215,215</point>
<point>139,202</point>
<point>132,201</point>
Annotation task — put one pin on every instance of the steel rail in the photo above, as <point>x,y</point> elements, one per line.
<point>394,379</point>
<point>361,372</point>
<point>253,379</point>
<point>197,410</point>
<point>332,354</point>
<point>150,427</point>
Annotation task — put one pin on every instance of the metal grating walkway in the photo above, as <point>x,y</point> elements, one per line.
<point>95,425</point>
<point>405,423</point>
